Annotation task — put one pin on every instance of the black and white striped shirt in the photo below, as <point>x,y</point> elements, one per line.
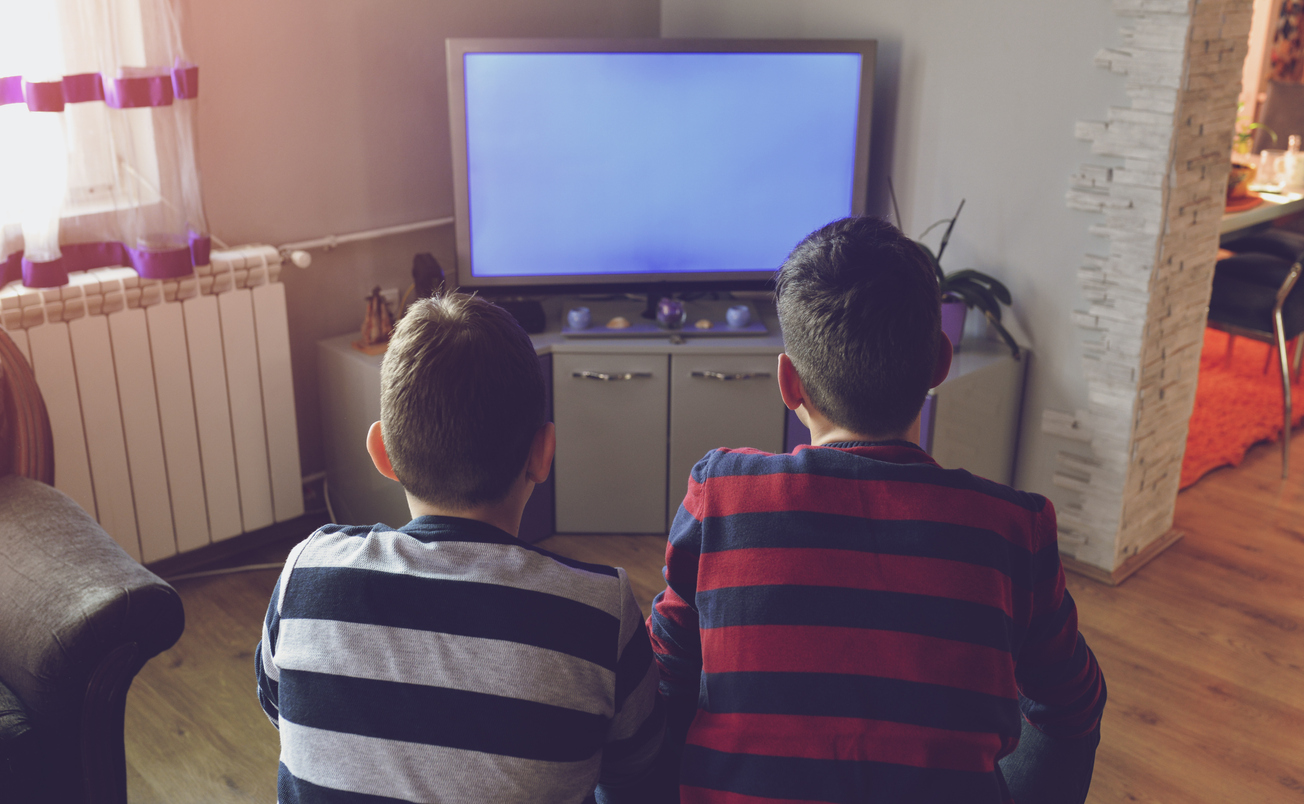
<point>448,661</point>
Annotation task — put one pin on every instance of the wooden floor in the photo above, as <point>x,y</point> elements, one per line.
<point>1203,651</point>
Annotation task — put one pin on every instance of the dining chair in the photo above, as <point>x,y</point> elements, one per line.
<point>1254,296</point>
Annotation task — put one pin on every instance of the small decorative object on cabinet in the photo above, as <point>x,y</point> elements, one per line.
<point>740,315</point>
<point>377,326</point>
<point>670,313</point>
<point>579,318</point>
<point>427,276</point>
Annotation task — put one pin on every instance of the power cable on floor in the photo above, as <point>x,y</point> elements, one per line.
<point>325,495</point>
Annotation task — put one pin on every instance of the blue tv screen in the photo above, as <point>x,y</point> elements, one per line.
<point>609,165</point>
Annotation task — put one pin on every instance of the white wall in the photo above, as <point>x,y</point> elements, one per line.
<point>975,101</point>
<point>330,116</point>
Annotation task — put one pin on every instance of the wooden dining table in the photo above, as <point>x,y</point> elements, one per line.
<point>1275,205</point>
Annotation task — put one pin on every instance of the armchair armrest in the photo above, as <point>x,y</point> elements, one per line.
<point>78,619</point>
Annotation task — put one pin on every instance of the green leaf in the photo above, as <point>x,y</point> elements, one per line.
<point>993,285</point>
<point>931,228</point>
<point>1000,291</point>
<point>984,300</point>
<point>1005,335</point>
<point>946,238</point>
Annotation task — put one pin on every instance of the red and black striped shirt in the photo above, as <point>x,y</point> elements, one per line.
<point>856,623</point>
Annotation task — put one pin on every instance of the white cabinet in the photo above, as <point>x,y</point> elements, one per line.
<point>643,410</point>
<point>610,412</point>
<point>720,399</point>
<point>975,421</point>
<point>631,426</point>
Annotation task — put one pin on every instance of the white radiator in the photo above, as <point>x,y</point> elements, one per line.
<point>172,402</point>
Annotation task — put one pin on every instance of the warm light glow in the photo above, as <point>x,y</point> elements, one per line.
<point>89,162</point>
<point>33,161</point>
<point>30,43</point>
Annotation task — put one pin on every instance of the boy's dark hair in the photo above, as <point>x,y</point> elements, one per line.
<point>860,310</point>
<point>461,398</point>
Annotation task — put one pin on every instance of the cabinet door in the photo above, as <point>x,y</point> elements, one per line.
<point>720,400</point>
<point>610,412</point>
<point>976,420</point>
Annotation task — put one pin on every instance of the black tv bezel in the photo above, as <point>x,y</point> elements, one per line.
<point>456,49</point>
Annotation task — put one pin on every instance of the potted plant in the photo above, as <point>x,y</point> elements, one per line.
<point>963,289</point>
<point>1243,164</point>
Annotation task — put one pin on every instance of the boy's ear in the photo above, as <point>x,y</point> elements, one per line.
<point>542,449</point>
<point>790,388</point>
<point>376,449</point>
<point>945,353</point>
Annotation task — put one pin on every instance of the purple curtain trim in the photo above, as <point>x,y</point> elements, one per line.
<point>136,93</point>
<point>44,96</point>
<point>185,81</point>
<point>50,274</point>
<point>85,256</point>
<point>82,88</point>
<point>169,264</point>
<point>120,93</point>
<point>11,268</point>
<point>201,247</point>
<point>11,89</point>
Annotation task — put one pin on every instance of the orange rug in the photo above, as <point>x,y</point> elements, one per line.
<point>1237,404</point>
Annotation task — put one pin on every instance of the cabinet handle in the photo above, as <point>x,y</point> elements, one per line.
<point>719,375</point>
<point>605,377</point>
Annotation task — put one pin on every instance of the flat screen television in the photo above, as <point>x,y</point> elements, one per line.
<point>651,164</point>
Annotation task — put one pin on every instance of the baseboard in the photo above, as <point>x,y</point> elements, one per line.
<point>1124,570</point>
<point>233,551</point>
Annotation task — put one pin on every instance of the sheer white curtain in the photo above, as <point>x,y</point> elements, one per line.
<point>97,159</point>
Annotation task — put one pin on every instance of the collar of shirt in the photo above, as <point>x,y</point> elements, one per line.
<point>891,451</point>
<point>456,529</point>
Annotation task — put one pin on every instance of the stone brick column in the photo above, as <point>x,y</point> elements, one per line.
<point>1160,188</point>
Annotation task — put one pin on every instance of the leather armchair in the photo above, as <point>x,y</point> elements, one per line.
<point>78,619</point>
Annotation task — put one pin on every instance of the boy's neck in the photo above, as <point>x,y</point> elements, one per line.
<point>505,514</point>
<point>823,431</point>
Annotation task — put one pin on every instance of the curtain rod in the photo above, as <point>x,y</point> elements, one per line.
<point>297,252</point>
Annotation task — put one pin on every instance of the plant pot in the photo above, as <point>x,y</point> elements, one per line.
<point>953,312</point>
<point>1238,180</point>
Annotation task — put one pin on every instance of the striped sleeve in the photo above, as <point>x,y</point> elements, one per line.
<point>264,666</point>
<point>674,624</point>
<point>265,670</point>
<point>635,734</point>
<point>1062,690</point>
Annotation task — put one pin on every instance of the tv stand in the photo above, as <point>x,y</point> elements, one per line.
<point>634,415</point>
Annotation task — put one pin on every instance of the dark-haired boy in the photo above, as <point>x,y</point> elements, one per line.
<point>447,660</point>
<point>851,622</point>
